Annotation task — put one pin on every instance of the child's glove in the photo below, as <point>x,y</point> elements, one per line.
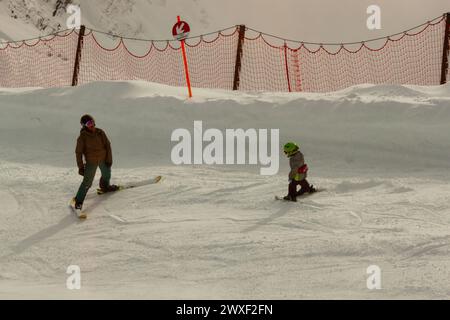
<point>303,169</point>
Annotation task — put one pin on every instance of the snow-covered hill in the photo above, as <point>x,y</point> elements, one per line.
<point>144,18</point>
<point>319,21</point>
<point>380,152</point>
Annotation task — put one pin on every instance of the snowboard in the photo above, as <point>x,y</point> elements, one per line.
<point>132,185</point>
<point>80,214</point>
<point>300,197</point>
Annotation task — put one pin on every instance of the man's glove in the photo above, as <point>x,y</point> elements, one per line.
<point>81,171</point>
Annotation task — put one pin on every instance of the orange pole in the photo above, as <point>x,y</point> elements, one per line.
<point>186,68</point>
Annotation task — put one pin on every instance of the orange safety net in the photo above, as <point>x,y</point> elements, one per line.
<point>409,58</point>
<point>46,62</point>
<point>211,62</point>
<point>267,64</point>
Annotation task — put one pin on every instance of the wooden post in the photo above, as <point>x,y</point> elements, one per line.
<point>78,56</point>
<point>237,68</point>
<point>287,67</point>
<point>444,70</point>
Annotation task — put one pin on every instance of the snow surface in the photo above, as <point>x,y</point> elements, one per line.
<point>214,232</point>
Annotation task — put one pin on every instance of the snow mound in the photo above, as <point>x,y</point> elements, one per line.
<point>339,132</point>
<point>380,154</point>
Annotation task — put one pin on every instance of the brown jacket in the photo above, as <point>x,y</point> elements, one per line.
<point>95,147</point>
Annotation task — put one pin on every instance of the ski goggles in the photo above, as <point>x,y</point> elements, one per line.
<point>288,153</point>
<point>90,124</point>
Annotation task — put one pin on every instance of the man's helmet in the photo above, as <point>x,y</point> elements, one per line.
<point>85,119</point>
<point>290,148</point>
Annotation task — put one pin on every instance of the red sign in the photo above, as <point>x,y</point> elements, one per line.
<point>181,30</point>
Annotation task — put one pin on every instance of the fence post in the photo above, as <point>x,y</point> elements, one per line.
<point>76,69</point>
<point>287,67</point>
<point>237,68</point>
<point>446,50</point>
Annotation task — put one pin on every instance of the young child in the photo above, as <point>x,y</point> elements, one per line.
<point>298,173</point>
<point>94,145</point>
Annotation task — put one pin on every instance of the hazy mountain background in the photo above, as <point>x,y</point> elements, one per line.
<point>319,20</point>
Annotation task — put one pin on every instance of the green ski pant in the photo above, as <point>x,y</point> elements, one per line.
<point>89,174</point>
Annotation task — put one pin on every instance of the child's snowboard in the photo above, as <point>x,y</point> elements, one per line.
<point>307,194</point>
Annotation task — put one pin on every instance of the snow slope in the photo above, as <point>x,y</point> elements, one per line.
<point>380,152</point>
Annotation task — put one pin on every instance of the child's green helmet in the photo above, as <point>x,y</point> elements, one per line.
<point>290,148</point>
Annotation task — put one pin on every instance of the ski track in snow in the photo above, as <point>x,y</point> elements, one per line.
<point>215,239</point>
<point>214,232</point>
